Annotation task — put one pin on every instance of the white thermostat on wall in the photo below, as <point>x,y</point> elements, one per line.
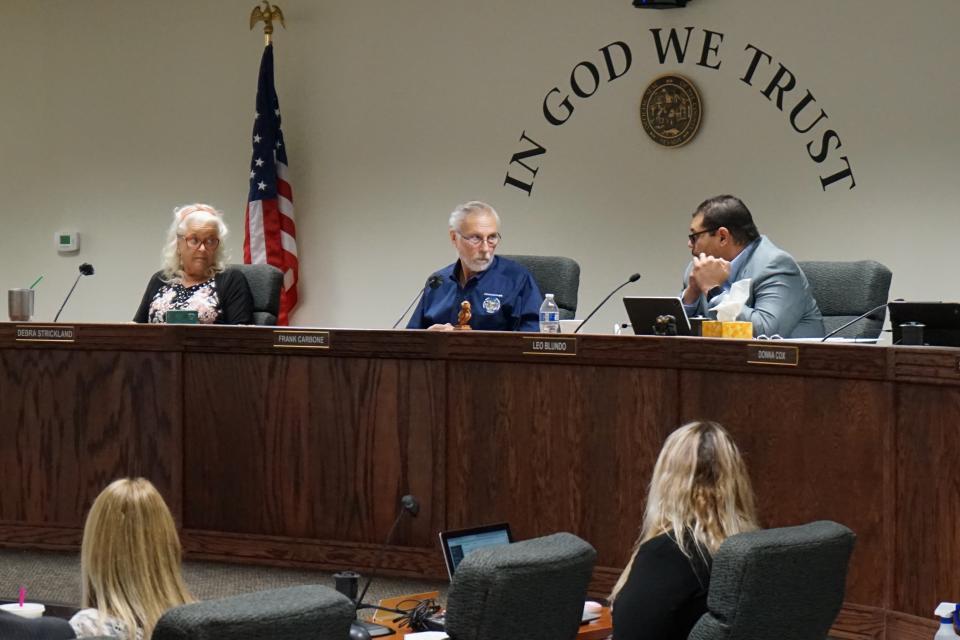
<point>67,241</point>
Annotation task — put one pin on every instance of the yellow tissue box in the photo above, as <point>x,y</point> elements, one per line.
<point>738,330</point>
<point>711,329</point>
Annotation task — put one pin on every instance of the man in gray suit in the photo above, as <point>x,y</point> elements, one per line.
<point>726,248</point>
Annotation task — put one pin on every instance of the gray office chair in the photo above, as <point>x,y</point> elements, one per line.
<point>532,590</point>
<point>13,627</point>
<point>266,283</point>
<point>309,612</point>
<point>557,275</point>
<point>777,583</point>
<point>845,290</point>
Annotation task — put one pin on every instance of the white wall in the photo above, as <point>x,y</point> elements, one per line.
<point>116,111</point>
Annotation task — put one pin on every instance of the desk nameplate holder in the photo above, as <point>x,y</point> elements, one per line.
<point>776,355</point>
<point>45,333</point>
<point>301,339</point>
<point>549,346</point>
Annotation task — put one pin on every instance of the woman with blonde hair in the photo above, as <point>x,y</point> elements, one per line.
<point>130,563</point>
<point>699,495</point>
<point>194,275</point>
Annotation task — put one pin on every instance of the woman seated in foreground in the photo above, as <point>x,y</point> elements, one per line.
<point>700,495</point>
<point>194,276</point>
<point>129,562</point>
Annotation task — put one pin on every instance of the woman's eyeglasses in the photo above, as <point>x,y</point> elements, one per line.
<point>209,243</point>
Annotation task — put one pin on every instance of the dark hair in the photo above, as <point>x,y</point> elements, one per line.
<point>730,212</point>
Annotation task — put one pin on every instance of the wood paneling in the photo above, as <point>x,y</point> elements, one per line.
<point>927,541</point>
<point>556,448</point>
<point>72,421</point>
<point>313,447</point>
<point>815,449</point>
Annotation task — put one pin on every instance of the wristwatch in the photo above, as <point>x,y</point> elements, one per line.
<point>713,293</point>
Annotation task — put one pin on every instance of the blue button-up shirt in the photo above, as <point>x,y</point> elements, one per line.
<point>504,297</point>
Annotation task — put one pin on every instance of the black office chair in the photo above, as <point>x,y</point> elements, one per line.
<point>557,275</point>
<point>532,590</point>
<point>783,583</point>
<point>310,612</point>
<point>845,290</point>
<point>266,283</point>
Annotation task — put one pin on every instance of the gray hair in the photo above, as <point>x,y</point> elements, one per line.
<point>183,217</point>
<point>473,207</point>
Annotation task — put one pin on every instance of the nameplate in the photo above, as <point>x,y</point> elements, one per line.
<point>552,346</point>
<point>45,333</point>
<point>301,339</point>
<point>782,355</point>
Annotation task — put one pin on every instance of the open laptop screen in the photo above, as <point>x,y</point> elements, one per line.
<point>643,312</point>
<point>458,544</point>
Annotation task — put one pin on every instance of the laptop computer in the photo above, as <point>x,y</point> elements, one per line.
<point>458,544</point>
<point>940,320</point>
<point>643,312</point>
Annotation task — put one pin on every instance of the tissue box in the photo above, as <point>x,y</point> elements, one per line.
<point>739,330</point>
<point>716,329</point>
<point>711,329</point>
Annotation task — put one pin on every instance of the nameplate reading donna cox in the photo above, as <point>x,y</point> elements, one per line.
<point>294,339</point>
<point>552,346</point>
<point>45,333</point>
<point>782,355</point>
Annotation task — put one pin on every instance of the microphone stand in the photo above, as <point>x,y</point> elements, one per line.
<point>632,278</point>
<point>856,320</point>
<point>432,283</point>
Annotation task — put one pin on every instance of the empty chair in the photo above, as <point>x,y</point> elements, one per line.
<point>266,283</point>
<point>309,612</point>
<point>557,275</point>
<point>845,290</point>
<point>777,583</point>
<point>532,590</point>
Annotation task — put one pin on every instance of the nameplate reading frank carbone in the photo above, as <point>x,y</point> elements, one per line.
<point>45,333</point>
<point>302,339</point>
<point>783,355</point>
<point>552,346</point>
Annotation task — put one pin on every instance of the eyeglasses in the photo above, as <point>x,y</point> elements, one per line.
<point>693,236</point>
<point>194,242</point>
<point>475,241</point>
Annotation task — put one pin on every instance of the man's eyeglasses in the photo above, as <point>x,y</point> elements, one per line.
<point>475,241</point>
<point>693,236</point>
<point>209,244</point>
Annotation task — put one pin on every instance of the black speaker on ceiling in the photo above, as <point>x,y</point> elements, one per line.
<point>659,4</point>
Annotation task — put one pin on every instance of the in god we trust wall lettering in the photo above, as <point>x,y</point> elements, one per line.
<point>752,66</point>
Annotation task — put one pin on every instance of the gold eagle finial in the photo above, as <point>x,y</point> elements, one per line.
<point>267,14</point>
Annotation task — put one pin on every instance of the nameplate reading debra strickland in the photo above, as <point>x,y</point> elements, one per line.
<point>45,333</point>
<point>783,355</point>
<point>552,346</point>
<point>293,339</point>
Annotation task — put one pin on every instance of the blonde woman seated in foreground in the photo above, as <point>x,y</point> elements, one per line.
<point>699,496</point>
<point>130,563</point>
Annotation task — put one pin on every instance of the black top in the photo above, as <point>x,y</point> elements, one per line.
<point>665,593</point>
<point>235,303</point>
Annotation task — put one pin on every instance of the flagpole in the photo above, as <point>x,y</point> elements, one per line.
<point>266,14</point>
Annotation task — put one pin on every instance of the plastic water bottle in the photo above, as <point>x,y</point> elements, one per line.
<point>549,315</point>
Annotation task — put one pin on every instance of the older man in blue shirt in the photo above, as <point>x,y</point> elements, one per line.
<point>503,295</point>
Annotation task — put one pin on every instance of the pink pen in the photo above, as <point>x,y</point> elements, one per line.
<point>23,595</point>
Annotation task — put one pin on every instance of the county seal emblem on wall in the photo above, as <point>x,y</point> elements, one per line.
<point>670,110</point>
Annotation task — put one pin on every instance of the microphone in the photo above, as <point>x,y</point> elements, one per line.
<point>858,319</point>
<point>408,504</point>
<point>86,269</point>
<point>433,282</point>
<point>632,278</point>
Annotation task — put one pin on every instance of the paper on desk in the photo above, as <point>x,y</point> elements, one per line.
<point>427,635</point>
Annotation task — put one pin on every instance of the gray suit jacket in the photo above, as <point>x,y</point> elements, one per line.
<point>780,301</point>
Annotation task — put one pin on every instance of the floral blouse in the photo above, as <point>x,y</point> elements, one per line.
<point>88,623</point>
<point>201,298</point>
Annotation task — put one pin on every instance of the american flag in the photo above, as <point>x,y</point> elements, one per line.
<point>271,234</point>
